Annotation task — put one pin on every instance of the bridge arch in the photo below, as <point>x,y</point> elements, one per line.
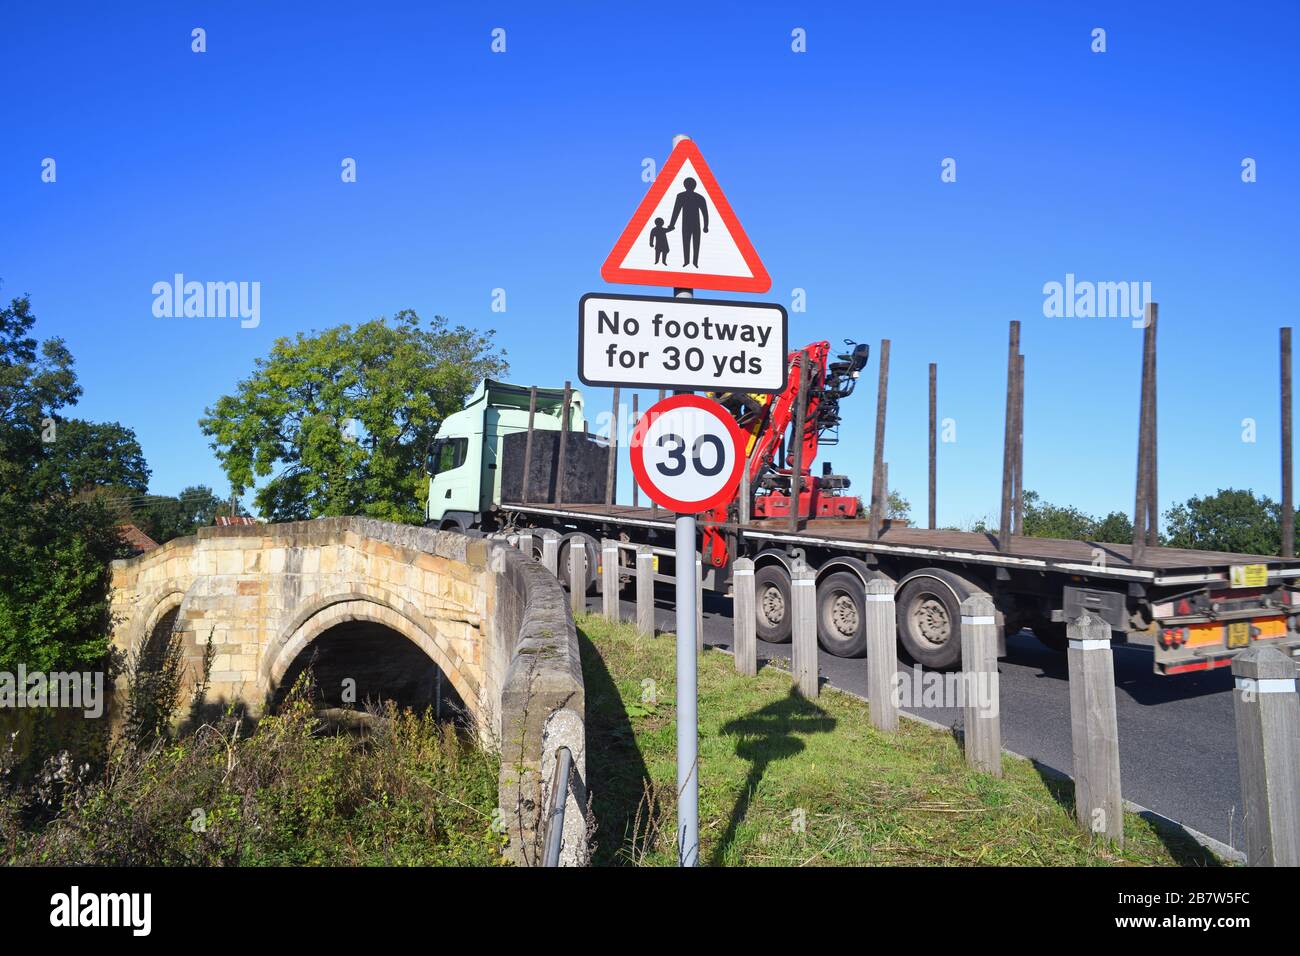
<point>154,606</point>
<point>325,613</point>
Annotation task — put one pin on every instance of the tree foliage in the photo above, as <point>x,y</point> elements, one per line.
<point>54,550</point>
<point>1229,520</point>
<point>161,517</point>
<point>85,455</point>
<point>338,422</point>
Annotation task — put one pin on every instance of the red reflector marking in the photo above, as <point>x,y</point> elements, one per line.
<point>1198,666</point>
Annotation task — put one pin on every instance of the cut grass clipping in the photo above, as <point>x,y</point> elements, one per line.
<point>789,782</point>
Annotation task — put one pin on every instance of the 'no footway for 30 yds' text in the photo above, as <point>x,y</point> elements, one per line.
<point>681,343</point>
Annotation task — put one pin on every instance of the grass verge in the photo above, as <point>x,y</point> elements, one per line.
<point>787,781</point>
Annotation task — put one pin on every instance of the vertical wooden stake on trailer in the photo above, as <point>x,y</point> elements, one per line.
<point>1018,484</point>
<point>1288,507</point>
<point>1009,439</point>
<point>877,462</point>
<point>1141,510</point>
<point>528,442</point>
<point>564,441</point>
<point>744,619</point>
<point>933,447</point>
<point>611,473</point>
<point>1153,497</point>
<point>636,420</point>
<point>884,495</point>
<point>800,424</point>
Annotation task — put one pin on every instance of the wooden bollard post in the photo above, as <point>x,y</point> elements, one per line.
<point>803,610</point>
<point>645,592</point>
<point>551,552</point>
<point>1268,754</point>
<point>609,578</point>
<point>882,653</point>
<point>979,664</point>
<point>1094,730</point>
<point>577,576</point>
<point>744,637</point>
<point>699,604</point>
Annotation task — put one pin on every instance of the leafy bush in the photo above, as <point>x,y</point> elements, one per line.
<point>409,791</point>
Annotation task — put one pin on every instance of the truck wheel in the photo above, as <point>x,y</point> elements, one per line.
<point>929,623</point>
<point>841,614</point>
<point>772,604</point>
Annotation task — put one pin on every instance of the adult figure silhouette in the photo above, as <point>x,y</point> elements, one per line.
<point>693,209</point>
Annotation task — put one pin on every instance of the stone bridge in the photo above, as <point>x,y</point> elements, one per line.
<point>489,627</point>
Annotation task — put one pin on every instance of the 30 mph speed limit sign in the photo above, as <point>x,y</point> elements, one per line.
<point>686,454</point>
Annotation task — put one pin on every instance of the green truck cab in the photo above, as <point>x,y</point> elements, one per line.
<point>466,461</point>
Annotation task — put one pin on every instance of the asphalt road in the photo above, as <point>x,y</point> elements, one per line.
<point>1178,748</point>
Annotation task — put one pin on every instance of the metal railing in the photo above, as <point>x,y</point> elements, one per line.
<point>559,799</point>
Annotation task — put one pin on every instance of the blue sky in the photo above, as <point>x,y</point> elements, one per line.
<point>479,171</point>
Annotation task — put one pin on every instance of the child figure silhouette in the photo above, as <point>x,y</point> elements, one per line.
<point>659,239</point>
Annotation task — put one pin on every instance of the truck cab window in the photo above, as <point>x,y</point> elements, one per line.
<point>448,453</point>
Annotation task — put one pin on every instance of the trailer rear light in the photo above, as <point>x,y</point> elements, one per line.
<point>1173,637</point>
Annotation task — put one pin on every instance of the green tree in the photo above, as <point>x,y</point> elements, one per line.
<point>55,553</point>
<point>1045,520</point>
<point>163,517</point>
<point>1229,520</point>
<point>898,507</point>
<point>86,455</point>
<point>338,422</point>
<point>1115,528</point>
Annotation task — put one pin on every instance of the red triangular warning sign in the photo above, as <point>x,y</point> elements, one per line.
<point>684,234</point>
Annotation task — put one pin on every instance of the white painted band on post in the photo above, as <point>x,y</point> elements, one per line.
<point>1091,644</point>
<point>742,573</point>
<point>979,620</point>
<point>805,582</point>
<point>880,597</point>
<point>1270,685</point>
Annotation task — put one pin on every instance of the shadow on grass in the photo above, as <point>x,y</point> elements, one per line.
<point>766,736</point>
<point>1182,847</point>
<point>617,777</point>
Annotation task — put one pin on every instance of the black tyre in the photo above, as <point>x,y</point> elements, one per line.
<point>841,614</point>
<point>929,623</point>
<point>772,603</point>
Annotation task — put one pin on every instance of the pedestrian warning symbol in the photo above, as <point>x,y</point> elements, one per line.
<point>684,234</point>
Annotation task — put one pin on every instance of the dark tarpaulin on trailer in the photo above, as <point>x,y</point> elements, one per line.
<point>586,461</point>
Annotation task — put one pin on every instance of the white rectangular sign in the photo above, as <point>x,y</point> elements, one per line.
<point>658,342</point>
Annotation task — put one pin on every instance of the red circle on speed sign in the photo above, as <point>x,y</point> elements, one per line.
<point>686,454</point>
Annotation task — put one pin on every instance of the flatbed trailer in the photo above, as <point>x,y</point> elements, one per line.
<point>1195,609</point>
